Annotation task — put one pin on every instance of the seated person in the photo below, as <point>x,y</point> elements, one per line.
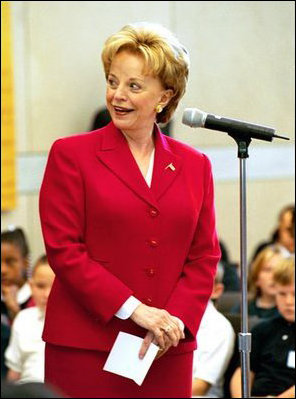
<point>272,359</point>
<point>24,355</point>
<point>5,334</point>
<point>231,279</point>
<point>261,284</point>
<point>283,236</point>
<point>15,290</point>
<point>28,390</point>
<point>215,341</point>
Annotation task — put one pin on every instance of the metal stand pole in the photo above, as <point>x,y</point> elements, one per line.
<point>244,337</point>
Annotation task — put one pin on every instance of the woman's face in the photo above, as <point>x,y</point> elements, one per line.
<point>131,95</point>
<point>13,265</point>
<point>265,276</point>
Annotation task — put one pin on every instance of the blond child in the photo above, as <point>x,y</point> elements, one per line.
<point>273,343</point>
<point>261,286</point>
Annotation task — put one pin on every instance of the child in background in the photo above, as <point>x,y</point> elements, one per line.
<point>25,353</point>
<point>15,290</point>
<point>283,236</point>
<point>215,340</point>
<point>272,357</point>
<point>261,285</point>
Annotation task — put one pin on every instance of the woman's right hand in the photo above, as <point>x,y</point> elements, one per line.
<point>163,328</point>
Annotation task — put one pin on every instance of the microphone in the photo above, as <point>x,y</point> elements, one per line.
<point>193,117</point>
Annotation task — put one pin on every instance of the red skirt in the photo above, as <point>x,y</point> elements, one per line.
<point>78,373</point>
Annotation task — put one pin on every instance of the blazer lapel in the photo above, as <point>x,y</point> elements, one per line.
<point>167,165</point>
<point>114,152</point>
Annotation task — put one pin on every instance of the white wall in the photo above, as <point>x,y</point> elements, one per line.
<point>242,66</point>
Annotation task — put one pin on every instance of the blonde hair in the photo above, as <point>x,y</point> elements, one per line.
<point>263,256</point>
<point>163,55</point>
<point>41,261</point>
<point>284,272</point>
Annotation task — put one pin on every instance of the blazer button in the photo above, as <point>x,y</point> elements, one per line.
<point>150,272</point>
<point>153,243</point>
<point>153,212</point>
<point>149,300</point>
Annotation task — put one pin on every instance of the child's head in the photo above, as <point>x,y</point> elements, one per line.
<point>285,232</point>
<point>260,278</point>
<point>284,278</point>
<point>218,287</point>
<point>14,257</point>
<point>41,282</point>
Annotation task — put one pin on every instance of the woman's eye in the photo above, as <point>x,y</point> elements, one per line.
<point>111,82</point>
<point>135,86</point>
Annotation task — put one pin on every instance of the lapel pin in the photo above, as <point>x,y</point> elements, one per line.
<point>171,166</point>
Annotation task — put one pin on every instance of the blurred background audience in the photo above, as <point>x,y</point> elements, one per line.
<point>272,359</point>
<point>261,286</point>
<point>15,267</point>
<point>284,234</point>
<point>215,340</point>
<point>24,356</point>
<point>230,272</point>
<point>28,390</point>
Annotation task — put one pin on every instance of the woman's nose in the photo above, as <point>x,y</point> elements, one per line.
<point>120,93</point>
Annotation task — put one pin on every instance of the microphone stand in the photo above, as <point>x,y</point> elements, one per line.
<point>243,141</point>
<point>244,337</point>
<point>242,133</point>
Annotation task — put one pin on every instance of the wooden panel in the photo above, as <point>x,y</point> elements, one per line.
<point>8,190</point>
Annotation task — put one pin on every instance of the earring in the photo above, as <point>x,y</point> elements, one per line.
<point>159,108</point>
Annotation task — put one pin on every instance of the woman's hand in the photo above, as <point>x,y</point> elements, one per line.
<point>161,352</point>
<point>163,328</point>
<point>147,341</point>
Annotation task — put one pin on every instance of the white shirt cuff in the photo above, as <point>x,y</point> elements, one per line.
<point>127,308</point>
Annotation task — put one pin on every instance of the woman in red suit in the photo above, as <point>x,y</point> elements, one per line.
<point>128,222</point>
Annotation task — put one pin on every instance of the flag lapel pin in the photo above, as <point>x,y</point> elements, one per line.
<point>171,166</point>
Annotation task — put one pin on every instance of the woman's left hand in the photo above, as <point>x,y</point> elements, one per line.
<point>151,338</point>
<point>168,343</point>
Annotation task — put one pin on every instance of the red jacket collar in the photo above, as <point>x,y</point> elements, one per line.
<point>114,152</point>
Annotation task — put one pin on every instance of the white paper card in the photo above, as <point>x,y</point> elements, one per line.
<point>124,358</point>
<point>291,359</point>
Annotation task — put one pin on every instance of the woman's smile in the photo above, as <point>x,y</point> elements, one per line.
<point>122,111</point>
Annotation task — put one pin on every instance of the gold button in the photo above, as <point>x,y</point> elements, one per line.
<point>153,212</point>
<point>150,272</point>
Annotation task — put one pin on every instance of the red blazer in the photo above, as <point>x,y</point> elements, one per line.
<point>108,236</point>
